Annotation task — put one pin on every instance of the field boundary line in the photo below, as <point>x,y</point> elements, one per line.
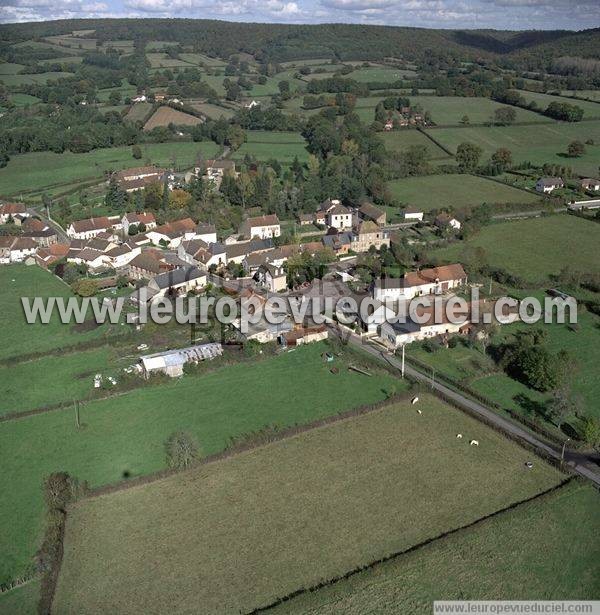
<point>436,142</point>
<point>481,521</point>
<point>280,435</point>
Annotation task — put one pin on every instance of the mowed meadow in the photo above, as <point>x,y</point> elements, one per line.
<point>456,191</point>
<point>546,143</point>
<point>21,338</point>
<point>28,174</point>
<point>281,146</point>
<point>123,436</point>
<point>265,523</point>
<point>536,248</point>
<point>540,550</point>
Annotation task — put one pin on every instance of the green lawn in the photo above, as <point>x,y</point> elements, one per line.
<point>24,99</point>
<point>380,73</point>
<point>450,110</point>
<point>546,143</point>
<point>19,337</point>
<point>20,600</point>
<point>52,380</point>
<point>590,109</point>
<point>582,344</point>
<point>213,111</point>
<point>541,550</point>
<point>536,247</point>
<point>32,173</point>
<point>215,82</point>
<point>126,89</point>
<point>290,514</point>
<point>13,80</point>
<point>401,140</point>
<point>125,435</point>
<point>199,58</point>
<point>471,367</point>
<point>283,146</point>
<point>9,68</point>
<point>586,94</point>
<point>66,60</point>
<point>139,112</point>
<point>162,60</point>
<point>439,191</point>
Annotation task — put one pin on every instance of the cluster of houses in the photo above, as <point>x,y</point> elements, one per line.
<point>404,117</point>
<point>349,229</point>
<point>213,172</point>
<point>546,185</point>
<point>34,234</point>
<point>442,282</point>
<point>131,180</point>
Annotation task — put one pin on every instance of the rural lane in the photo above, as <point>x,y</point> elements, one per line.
<point>574,460</point>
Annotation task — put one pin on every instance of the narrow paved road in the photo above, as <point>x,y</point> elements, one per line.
<point>534,213</point>
<point>41,214</point>
<point>581,464</point>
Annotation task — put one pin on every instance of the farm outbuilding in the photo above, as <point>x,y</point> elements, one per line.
<point>171,362</point>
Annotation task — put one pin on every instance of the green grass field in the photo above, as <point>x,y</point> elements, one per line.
<point>157,45</point>
<point>24,99</point>
<point>213,111</point>
<point>18,337</point>
<point>21,600</point>
<point>583,346</point>
<point>125,435</point>
<point>12,80</point>
<point>438,191</point>
<point>585,94</point>
<point>46,171</point>
<point>66,60</point>
<point>469,366</point>
<point>380,73</point>
<point>46,45</point>
<point>74,42</point>
<point>401,140</point>
<point>450,110</point>
<point>52,380</point>
<point>139,112</point>
<point>9,68</point>
<point>590,109</point>
<point>199,58</point>
<point>126,89</point>
<point>283,146</point>
<point>541,550</point>
<point>537,247</point>
<point>536,144</point>
<point>290,514</point>
<point>162,60</point>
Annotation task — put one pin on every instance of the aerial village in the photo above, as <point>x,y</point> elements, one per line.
<point>186,256</point>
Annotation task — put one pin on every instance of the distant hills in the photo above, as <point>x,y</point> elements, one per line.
<point>280,42</point>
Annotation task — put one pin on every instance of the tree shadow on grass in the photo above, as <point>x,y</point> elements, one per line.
<point>533,408</point>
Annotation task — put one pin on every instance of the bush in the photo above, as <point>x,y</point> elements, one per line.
<point>182,450</point>
<point>85,287</point>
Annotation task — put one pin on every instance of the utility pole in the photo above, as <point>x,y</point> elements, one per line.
<point>432,377</point>
<point>77,418</point>
<point>490,293</point>
<point>403,346</point>
<point>562,454</point>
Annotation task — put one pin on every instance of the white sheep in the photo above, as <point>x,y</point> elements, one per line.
<point>414,400</point>
<point>474,442</point>
<point>419,411</point>
<point>459,435</point>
